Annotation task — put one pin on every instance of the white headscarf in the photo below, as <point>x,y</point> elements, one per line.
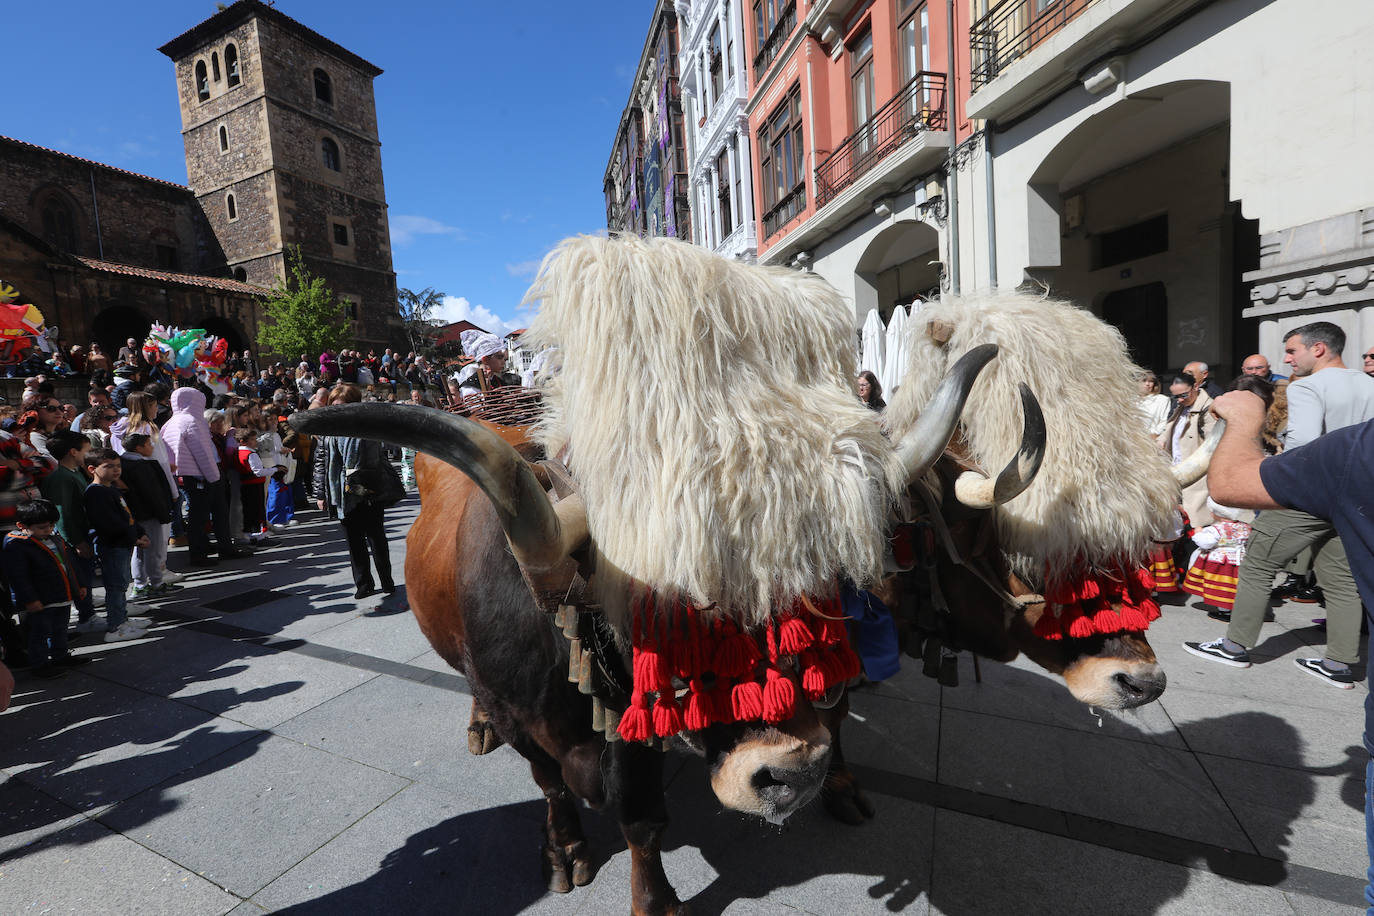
<point>480,344</point>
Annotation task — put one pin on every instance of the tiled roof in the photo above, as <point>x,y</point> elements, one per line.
<point>238,12</point>
<point>101,165</point>
<point>166,276</point>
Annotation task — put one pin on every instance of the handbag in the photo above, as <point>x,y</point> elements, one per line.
<point>377,486</point>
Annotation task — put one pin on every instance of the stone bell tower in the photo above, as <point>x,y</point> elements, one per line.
<point>282,151</point>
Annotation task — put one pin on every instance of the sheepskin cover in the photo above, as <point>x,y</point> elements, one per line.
<point>1104,490</point>
<point>713,427</point>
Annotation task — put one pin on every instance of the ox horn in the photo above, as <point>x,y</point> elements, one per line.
<point>980,492</point>
<point>922,446</point>
<point>1193,468</point>
<point>540,534</point>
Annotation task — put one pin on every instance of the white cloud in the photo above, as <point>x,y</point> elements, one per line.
<point>458,308</point>
<point>405,228</point>
<point>524,268</point>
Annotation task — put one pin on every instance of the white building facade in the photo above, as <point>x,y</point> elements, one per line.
<point>715,89</point>
<point>1194,172</point>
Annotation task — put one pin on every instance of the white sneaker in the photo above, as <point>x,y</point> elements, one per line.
<point>125,632</point>
<point>293,523</point>
<point>141,623</point>
<point>93,625</point>
<point>169,576</point>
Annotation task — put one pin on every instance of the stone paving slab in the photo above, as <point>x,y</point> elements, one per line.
<point>256,686</point>
<point>89,869</point>
<point>428,743</point>
<point>241,819</point>
<point>984,867</point>
<point>394,637</point>
<point>1129,782</point>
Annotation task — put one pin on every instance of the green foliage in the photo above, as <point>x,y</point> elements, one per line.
<point>417,311</point>
<point>303,316</point>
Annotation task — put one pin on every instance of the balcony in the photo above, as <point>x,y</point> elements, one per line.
<point>1012,29</point>
<point>1024,52</point>
<point>783,212</point>
<point>917,107</point>
<point>776,39</point>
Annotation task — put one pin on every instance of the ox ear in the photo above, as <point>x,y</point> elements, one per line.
<point>1193,468</point>
<point>540,535</point>
<point>975,490</point>
<point>923,445</point>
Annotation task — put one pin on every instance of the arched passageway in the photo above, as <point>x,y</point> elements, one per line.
<point>116,324</point>
<point>899,266</point>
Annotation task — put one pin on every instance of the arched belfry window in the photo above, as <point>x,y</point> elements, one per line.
<point>202,82</point>
<point>231,206</point>
<point>223,139</point>
<point>324,87</point>
<point>214,65</point>
<point>329,152</point>
<point>231,64</point>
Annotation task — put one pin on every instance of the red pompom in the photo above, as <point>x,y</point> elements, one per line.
<point>635,724</point>
<point>779,698</point>
<point>1150,609</point>
<point>698,715</point>
<point>813,676</point>
<point>667,716</point>
<point>1107,621</point>
<point>1088,588</point>
<point>1048,626</point>
<point>650,672</point>
<point>1081,628</point>
<point>794,636</point>
<point>1132,618</point>
<point>746,701</point>
<point>736,655</point>
<point>848,662</point>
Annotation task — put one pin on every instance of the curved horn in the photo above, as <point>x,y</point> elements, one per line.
<point>980,492</point>
<point>922,446</point>
<point>1193,468</point>
<point>540,535</point>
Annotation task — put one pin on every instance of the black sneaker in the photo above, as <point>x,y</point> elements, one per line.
<point>1221,614</point>
<point>49,672</point>
<point>1308,594</point>
<point>1289,587</point>
<point>71,661</point>
<point>1313,666</point>
<point>1216,651</point>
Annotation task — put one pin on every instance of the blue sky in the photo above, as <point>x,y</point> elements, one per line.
<point>496,119</point>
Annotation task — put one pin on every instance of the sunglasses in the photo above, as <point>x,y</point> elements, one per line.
<point>1369,355</point>
<point>109,416</point>
<point>49,406</point>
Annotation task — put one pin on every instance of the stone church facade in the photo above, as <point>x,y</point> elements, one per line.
<point>282,153</point>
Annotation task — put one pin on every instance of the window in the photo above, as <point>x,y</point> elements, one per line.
<point>202,83</point>
<point>231,207</point>
<point>767,15</point>
<point>166,256</point>
<point>223,139</point>
<point>351,309</point>
<point>781,165</point>
<point>340,234</point>
<point>1129,243</point>
<point>729,44</point>
<point>324,88</point>
<point>59,228</point>
<point>861,84</point>
<point>717,66</point>
<point>231,64</point>
<point>240,275</point>
<point>723,193</point>
<point>329,153</point>
<point>214,66</point>
<point>913,40</point>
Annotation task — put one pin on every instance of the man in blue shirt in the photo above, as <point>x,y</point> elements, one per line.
<point>1331,477</point>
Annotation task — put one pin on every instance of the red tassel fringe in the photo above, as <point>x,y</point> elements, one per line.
<point>1098,602</point>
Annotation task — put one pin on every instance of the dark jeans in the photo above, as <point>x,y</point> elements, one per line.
<point>254,505</point>
<point>364,529</point>
<point>85,577</point>
<point>47,634</point>
<point>207,503</point>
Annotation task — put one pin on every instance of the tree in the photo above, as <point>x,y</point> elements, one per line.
<point>303,315</point>
<point>417,311</point>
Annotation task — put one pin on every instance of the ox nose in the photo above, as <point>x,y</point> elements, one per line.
<point>1137,691</point>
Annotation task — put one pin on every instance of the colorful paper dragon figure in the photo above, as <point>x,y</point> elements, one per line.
<point>20,325</point>
<point>188,353</point>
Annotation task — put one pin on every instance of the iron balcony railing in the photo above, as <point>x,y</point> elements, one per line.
<point>784,210</point>
<point>776,38</point>
<point>1012,29</point>
<point>918,106</point>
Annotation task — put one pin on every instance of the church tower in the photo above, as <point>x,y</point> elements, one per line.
<point>282,151</point>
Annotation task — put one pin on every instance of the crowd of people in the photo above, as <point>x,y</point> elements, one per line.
<point>1230,556</point>
<point>95,493</point>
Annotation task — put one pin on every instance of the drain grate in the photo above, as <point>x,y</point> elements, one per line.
<point>242,601</point>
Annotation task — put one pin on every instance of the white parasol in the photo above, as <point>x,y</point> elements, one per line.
<point>895,367</point>
<point>872,356</point>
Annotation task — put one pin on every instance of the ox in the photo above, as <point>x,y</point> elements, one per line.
<point>741,477</point>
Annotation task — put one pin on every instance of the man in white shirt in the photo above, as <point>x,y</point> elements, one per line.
<point>1324,396</point>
